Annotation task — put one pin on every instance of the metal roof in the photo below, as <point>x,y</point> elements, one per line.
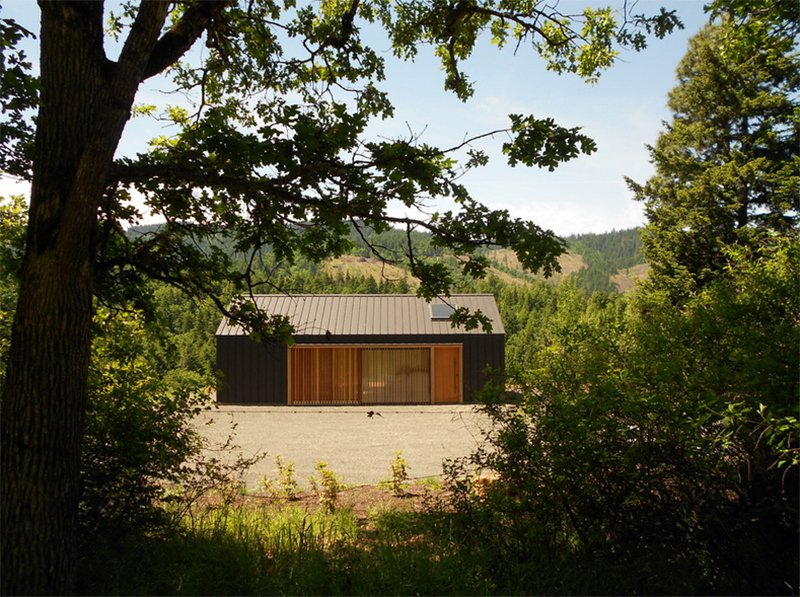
<point>368,314</point>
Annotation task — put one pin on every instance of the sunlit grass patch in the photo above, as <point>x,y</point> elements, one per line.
<point>262,547</point>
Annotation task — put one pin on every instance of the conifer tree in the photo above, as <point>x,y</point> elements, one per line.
<point>727,164</point>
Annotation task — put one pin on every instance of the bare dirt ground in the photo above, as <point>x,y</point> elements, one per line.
<point>358,443</point>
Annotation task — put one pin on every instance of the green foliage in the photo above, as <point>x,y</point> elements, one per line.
<point>190,324</point>
<point>605,255</point>
<point>144,390</point>
<point>287,481</point>
<point>245,550</point>
<point>585,44</point>
<point>298,176</point>
<point>230,550</point>
<point>273,151</point>
<point>727,165</point>
<point>18,98</point>
<point>398,481</point>
<point>637,451</point>
<point>12,242</point>
<point>138,433</point>
<point>327,486</point>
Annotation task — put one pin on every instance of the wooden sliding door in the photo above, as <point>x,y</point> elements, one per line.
<point>324,375</point>
<point>396,375</point>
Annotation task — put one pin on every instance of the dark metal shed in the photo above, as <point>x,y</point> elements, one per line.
<point>362,349</point>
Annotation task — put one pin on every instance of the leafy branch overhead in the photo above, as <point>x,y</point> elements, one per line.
<point>273,149</point>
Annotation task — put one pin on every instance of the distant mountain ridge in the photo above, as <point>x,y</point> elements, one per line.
<point>606,262</point>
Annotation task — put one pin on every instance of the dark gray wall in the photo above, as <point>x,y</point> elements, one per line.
<point>251,373</point>
<point>255,373</point>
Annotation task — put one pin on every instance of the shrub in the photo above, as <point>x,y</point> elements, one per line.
<point>137,433</point>
<point>655,451</point>
<point>287,481</point>
<point>398,481</point>
<point>327,487</point>
<point>285,485</point>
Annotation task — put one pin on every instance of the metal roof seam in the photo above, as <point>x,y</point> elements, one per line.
<point>375,315</point>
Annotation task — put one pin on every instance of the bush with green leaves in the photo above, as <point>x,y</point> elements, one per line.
<point>656,450</point>
<point>137,433</point>
<point>284,486</point>
<point>398,481</point>
<point>327,487</point>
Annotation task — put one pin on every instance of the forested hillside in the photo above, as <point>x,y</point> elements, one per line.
<point>607,262</point>
<point>607,256</point>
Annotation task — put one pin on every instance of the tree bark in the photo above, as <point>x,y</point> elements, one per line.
<point>84,104</point>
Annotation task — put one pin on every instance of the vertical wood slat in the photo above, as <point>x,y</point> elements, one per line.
<point>324,375</point>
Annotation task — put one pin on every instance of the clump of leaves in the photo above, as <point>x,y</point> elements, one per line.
<point>268,486</point>
<point>398,482</point>
<point>284,486</point>
<point>138,433</point>
<point>327,487</point>
<point>639,430</point>
<point>287,480</point>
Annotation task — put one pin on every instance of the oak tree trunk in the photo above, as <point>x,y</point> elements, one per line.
<point>84,104</point>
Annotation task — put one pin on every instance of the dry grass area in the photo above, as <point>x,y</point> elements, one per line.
<point>570,263</point>
<point>510,270</point>
<point>626,279</point>
<point>367,266</point>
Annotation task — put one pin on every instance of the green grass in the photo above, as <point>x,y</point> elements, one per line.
<point>253,550</point>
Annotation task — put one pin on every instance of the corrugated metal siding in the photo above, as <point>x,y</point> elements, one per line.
<point>478,354</point>
<point>256,373</point>
<point>367,315</point>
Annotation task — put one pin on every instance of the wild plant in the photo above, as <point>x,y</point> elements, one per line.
<point>327,487</point>
<point>287,479</point>
<point>398,482</point>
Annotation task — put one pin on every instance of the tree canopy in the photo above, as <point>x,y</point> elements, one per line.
<point>727,164</point>
<point>271,150</point>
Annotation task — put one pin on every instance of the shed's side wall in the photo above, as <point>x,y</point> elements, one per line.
<point>480,351</point>
<point>255,373</point>
<point>251,372</point>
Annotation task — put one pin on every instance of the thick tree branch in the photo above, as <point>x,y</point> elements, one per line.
<point>144,30</point>
<point>182,35</point>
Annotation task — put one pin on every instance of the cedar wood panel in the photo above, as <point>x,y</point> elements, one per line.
<point>253,373</point>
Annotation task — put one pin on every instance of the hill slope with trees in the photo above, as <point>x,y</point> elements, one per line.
<point>606,262</point>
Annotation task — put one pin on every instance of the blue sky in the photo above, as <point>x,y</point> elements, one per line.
<point>623,113</point>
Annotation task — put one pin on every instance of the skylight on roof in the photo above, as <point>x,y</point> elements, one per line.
<point>441,311</point>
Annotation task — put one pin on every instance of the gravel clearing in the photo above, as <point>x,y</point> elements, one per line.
<point>357,442</point>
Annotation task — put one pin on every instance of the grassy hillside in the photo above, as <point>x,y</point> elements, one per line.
<point>359,266</point>
<point>608,262</point>
<point>625,280</point>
